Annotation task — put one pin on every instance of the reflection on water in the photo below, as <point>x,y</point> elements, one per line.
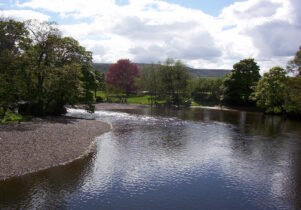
<point>174,159</point>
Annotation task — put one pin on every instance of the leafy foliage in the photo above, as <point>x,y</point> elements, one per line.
<point>271,91</point>
<point>293,100</point>
<point>13,41</point>
<point>238,85</point>
<point>207,91</point>
<point>149,81</point>
<point>169,81</point>
<point>42,68</point>
<point>121,76</point>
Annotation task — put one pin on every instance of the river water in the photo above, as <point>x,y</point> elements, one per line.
<point>173,159</point>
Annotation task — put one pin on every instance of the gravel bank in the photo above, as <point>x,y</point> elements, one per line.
<point>43,143</point>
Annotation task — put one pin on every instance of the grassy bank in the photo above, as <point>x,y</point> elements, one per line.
<point>131,99</point>
<point>10,117</point>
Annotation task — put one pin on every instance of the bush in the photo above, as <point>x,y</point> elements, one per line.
<point>99,99</point>
<point>10,117</point>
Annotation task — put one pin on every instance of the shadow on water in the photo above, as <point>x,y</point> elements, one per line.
<point>46,189</point>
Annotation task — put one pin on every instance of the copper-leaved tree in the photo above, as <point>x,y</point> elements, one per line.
<point>122,75</point>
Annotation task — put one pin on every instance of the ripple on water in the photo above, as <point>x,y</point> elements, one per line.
<point>161,161</point>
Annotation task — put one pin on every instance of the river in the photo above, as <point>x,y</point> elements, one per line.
<point>173,159</point>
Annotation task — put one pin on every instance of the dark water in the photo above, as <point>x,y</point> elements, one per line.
<point>167,159</point>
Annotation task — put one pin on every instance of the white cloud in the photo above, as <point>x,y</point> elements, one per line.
<point>276,38</point>
<point>24,14</point>
<point>152,30</point>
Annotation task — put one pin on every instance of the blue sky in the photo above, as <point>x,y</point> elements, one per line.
<point>212,7</point>
<point>201,33</point>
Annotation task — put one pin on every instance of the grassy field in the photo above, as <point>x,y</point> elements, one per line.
<point>133,99</point>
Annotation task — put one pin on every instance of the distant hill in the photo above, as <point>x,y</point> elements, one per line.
<point>104,67</point>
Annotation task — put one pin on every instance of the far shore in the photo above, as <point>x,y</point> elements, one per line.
<point>126,106</point>
<point>44,143</point>
<point>120,106</point>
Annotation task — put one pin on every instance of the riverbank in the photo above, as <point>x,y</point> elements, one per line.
<point>118,106</point>
<point>127,106</point>
<point>43,143</point>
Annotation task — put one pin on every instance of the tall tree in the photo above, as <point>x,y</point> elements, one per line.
<point>99,81</point>
<point>149,81</point>
<point>238,85</point>
<point>121,76</point>
<point>293,100</point>
<point>271,91</point>
<point>174,79</point>
<point>49,61</point>
<point>207,91</point>
<point>13,42</point>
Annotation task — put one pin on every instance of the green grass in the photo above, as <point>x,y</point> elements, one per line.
<point>144,99</point>
<point>11,117</point>
<point>193,103</point>
<point>131,99</point>
<point>101,94</point>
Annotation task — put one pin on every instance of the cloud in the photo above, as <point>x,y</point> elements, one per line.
<point>152,30</point>
<point>295,9</point>
<point>251,9</point>
<point>24,15</point>
<point>195,46</point>
<point>152,54</point>
<point>276,38</point>
<point>135,28</point>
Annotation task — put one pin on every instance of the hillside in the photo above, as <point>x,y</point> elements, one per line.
<point>104,67</point>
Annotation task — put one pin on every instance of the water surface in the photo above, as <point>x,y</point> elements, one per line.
<point>174,159</point>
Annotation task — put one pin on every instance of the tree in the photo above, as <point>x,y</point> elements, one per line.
<point>13,41</point>
<point>168,82</point>
<point>293,100</point>
<point>56,71</point>
<point>99,81</point>
<point>149,81</point>
<point>271,91</point>
<point>121,76</point>
<point>207,91</point>
<point>174,79</point>
<point>294,65</point>
<point>238,85</point>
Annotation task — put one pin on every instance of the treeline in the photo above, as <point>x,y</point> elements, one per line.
<point>277,91</point>
<point>169,83</point>
<point>41,71</point>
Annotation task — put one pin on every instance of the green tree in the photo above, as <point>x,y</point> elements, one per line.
<point>13,41</point>
<point>50,61</point>
<point>271,91</point>
<point>293,100</point>
<point>238,85</point>
<point>207,91</point>
<point>149,81</point>
<point>174,80</point>
<point>99,81</point>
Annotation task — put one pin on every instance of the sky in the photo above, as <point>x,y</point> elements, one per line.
<point>201,33</point>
